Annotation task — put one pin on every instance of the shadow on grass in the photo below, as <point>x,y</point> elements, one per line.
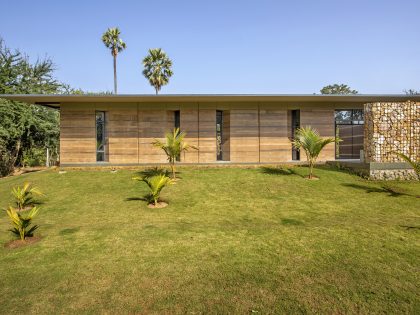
<point>410,227</point>
<point>136,199</point>
<point>291,222</point>
<point>279,171</point>
<point>69,231</point>
<point>392,192</point>
<point>149,172</point>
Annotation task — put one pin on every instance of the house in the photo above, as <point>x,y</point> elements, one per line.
<point>119,129</point>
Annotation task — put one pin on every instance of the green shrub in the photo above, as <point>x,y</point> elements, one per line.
<point>34,157</point>
<point>155,184</point>
<point>24,195</point>
<point>22,222</point>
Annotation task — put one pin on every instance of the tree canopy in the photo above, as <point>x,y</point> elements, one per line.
<point>26,130</point>
<point>157,68</point>
<point>340,89</point>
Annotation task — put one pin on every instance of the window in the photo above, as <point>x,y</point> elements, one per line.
<point>177,119</point>
<point>100,136</point>
<point>349,128</point>
<point>219,134</point>
<point>295,127</point>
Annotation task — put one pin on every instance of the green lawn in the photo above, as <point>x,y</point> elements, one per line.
<point>231,241</point>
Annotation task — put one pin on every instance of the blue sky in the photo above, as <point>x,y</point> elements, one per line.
<point>226,46</point>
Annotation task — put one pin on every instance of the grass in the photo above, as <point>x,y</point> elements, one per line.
<point>231,241</point>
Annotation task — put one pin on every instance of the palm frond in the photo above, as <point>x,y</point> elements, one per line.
<point>414,164</point>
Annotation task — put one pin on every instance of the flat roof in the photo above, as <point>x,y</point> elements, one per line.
<point>55,100</point>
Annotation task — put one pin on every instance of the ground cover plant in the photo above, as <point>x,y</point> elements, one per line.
<point>232,240</point>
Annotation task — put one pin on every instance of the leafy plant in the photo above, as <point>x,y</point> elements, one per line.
<point>22,222</point>
<point>157,68</point>
<point>173,146</point>
<point>414,164</point>
<point>309,140</point>
<point>24,195</point>
<point>155,184</point>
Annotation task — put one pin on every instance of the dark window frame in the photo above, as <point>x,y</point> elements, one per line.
<point>100,152</point>
<point>350,122</point>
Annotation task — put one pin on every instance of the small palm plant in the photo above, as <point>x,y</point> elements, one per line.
<point>414,164</point>
<point>309,140</point>
<point>155,184</point>
<point>24,195</point>
<point>173,146</point>
<point>22,222</point>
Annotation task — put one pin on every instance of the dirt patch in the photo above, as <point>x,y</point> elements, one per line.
<point>159,205</point>
<point>20,243</point>
<point>313,177</point>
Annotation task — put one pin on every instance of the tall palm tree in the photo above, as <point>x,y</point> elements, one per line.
<point>173,146</point>
<point>309,140</point>
<point>157,68</point>
<point>111,39</point>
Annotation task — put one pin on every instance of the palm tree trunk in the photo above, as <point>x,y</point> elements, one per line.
<point>115,74</point>
<point>311,167</point>
<point>156,89</point>
<point>173,169</point>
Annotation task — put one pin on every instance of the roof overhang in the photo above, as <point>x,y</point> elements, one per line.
<point>53,100</point>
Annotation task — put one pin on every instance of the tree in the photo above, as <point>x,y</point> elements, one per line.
<point>23,127</point>
<point>157,68</point>
<point>173,146</point>
<point>412,92</point>
<point>309,140</point>
<point>111,39</point>
<point>340,89</point>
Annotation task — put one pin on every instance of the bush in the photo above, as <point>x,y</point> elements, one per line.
<point>34,157</point>
<point>155,184</point>
<point>22,222</point>
<point>24,195</point>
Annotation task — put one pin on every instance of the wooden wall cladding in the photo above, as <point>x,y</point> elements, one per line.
<point>275,144</point>
<point>258,132</point>
<point>153,124</point>
<point>122,133</point>
<point>77,135</point>
<point>323,121</point>
<point>244,135</point>
<point>207,135</point>
<point>189,124</point>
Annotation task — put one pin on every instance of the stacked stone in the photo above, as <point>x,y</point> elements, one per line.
<point>390,128</point>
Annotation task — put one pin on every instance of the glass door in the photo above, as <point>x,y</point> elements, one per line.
<point>219,134</point>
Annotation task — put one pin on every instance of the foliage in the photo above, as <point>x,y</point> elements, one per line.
<point>22,222</point>
<point>23,126</point>
<point>341,89</point>
<point>24,195</point>
<point>111,39</point>
<point>33,157</point>
<point>155,184</point>
<point>150,172</point>
<point>309,140</point>
<point>414,164</point>
<point>412,92</point>
<point>173,146</point>
<point>157,68</point>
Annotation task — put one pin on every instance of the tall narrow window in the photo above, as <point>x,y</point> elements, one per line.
<point>100,136</point>
<point>349,128</point>
<point>177,125</point>
<point>295,127</point>
<point>219,134</point>
<point>177,119</point>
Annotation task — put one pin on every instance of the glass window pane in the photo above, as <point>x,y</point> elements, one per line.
<point>343,116</point>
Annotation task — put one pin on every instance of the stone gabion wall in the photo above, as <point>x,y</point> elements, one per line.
<point>406,174</point>
<point>391,127</point>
